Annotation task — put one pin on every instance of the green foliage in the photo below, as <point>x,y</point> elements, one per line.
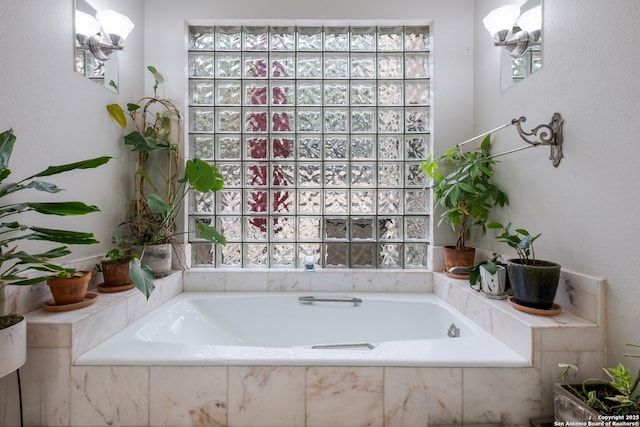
<point>474,273</point>
<point>521,241</point>
<point>462,185</point>
<point>18,267</point>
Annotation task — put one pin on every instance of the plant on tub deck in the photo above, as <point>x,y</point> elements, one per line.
<point>159,190</point>
<point>462,186</point>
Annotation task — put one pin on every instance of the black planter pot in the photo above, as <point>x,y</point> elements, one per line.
<point>534,285</point>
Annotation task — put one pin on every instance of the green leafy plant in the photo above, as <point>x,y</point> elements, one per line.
<point>462,185</point>
<point>488,264</point>
<point>19,267</point>
<point>520,240</point>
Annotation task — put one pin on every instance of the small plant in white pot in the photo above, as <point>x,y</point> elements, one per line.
<point>491,276</point>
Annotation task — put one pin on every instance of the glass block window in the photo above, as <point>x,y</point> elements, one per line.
<point>319,133</point>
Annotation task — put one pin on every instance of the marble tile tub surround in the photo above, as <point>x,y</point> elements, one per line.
<point>235,396</point>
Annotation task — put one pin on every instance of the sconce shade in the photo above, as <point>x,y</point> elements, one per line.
<point>500,21</point>
<point>531,20</point>
<point>115,23</point>
<point>86,24</point>
<point>104,35</point>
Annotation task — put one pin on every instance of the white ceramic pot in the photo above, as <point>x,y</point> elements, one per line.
<point>158,257</point>
<point>13,347</point>
<point>493,285</point>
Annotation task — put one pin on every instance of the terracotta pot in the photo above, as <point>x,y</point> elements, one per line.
<point>458,258</point>
<point>115,273</point>
<point>71,290</point>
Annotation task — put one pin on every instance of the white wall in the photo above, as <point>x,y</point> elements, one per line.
<point>587,208</point>
<point>59,116</point>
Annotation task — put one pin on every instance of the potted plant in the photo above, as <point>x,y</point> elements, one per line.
<point>533,282</point>
<point>159,189</point>
<point>492,277</point>
<point>462,186</point>
<point>616,398</point>
<point>17,266</point>
<point>68,286</point>
<point>115,271</point>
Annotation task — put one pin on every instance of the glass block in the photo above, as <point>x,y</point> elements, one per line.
<point>228,120</point>
<point>255,38</point>
<point>306,249</point>
<point>363,39</point>
<point>309,66</point>
<point>336,255</point>
<point>389,120</point>
<point>363,93</point>
<point>417,147</point>
<point>416,201</point>
<point>363,201</point>
<point>363,228</point>
<point>230,255</point>
<point>283,228</point>
<point>390,255</point>
<point>228,93</point>
<point>363,120</point>
<point>417,92</point>
<point>256,148</point>
<point>283,148</point>
<point>414,176</point>
<point>389,228</point>
<point>336,147</point>
<point>390,38</point>
<point>255,65</point>
<point>283,66</point>
<point>336,228</point>
<point>336,38</point>
<point>283,38</point>
<point>389,175</point>
<point>309,174</point>
<point>256,120</point>
<point>202,119</point>
<point>309,120</point>
<point>228,38</point>
<point>283,255</point>
<point>309,228</point>
<point>283,201</point>
<point>336,93</point>
<point>229,201</point>
<point>201,64</point>
<point>283,120</point>
<point>202,254</point>
<point>257,201</point>
<point>363,147</point>
<point>389,202</point>
<point>228,65</point>
<point>416,66</point>
<point>336,66</point>
<point>256,228</point>
<point>309,38</point>
<point>363,255</point>
<point>417,120</point>
<point>255,93</point>
<point>283,174</point>
<point>228,147</point>
<point>256,176</point>
<point>416,38</point>
<point>310,201</point>
<point>309,93</point>
<point>201,92</point>
<point>363,66</point>
<point>310,147</point>
<point>390,66</point>
<point>416,227</point>
<point>389,92</point>
<point>415,255</point>
<point>336,174</point>
<point>390,147</point>
<point>201,38</point>
<point>283,94</point>
<point>232,173</point>
<point>230,227</point>
<point>257,255</point>
<point>336,201</point>
<point>363,175</point>
<point>203,146</point>
<point>336,120</point>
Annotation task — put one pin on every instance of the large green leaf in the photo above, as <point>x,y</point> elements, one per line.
<point>62,236</point>
<point>142,276</point>
<point>84,164</point>
<point>210,233</point>
<point>157,204</point>
<point>43,186</point>
<point>117,113</point>
<point>7,139</point>
<point>63,208</point>
<point>203,176</point>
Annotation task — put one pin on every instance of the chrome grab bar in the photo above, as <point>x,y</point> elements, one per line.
<point>338,346</point>
<point>312,299</point>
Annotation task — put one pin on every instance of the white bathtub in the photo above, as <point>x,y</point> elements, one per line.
<point>200,328</point>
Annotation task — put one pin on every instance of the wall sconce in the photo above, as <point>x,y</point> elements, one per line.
<point>103,34</point>
<point>512,31</point>
<point>545,134</point>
